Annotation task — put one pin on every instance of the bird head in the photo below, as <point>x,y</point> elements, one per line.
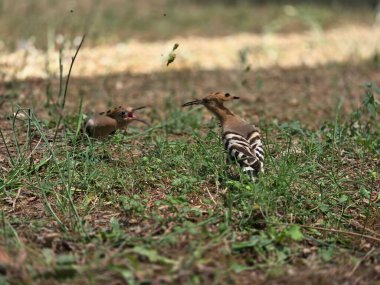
<point>213,99</point>
<point>125,116</point>
<point>130,116</point>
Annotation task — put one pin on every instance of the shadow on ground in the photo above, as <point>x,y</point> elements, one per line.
<point>309,95</point>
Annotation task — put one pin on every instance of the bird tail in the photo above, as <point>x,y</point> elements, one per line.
<point>251,173</point>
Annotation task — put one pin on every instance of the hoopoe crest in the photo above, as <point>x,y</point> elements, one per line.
<point>241,140</point>
<point>106,123</point>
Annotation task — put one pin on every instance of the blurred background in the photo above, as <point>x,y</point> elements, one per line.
<point>40,21</point>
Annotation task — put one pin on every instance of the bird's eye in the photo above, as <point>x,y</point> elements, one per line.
<point>227,95</point>
<point>123,113</point>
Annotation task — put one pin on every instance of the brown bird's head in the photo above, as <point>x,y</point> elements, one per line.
<point>124,116</point>
<point>214,103</point>
<point>214,99</point>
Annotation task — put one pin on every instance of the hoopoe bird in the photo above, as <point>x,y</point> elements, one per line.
<point>241,139</point>
<point>104,124</point>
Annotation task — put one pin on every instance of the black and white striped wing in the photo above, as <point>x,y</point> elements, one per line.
<point>240,149</point>
<point>254,141</point>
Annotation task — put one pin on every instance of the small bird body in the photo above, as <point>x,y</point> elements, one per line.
<point>104,124</point>
<point>100,126</point>
<point>241,140</point>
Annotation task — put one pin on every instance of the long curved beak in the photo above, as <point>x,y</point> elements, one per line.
<point>134,118</point>
<point>138,108</point>
<point>195,102</point>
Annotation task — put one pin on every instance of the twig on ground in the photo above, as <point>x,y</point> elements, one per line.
<point>212,198</point>
<point>329,230</point>
<point>341,231</point>
<point>360,261</point>
<point>15,199</point>
<point>356,224</point>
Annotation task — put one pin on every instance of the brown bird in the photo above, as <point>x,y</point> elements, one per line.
<point>241,139</point>
<point>104,124</point>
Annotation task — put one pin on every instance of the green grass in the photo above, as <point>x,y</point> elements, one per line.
<point>163,203</point>
<point>160,204</point>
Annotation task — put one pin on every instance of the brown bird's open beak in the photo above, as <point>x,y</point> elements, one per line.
<point>131,115</point>
<point>195,102</point>
<point>235,97</point>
